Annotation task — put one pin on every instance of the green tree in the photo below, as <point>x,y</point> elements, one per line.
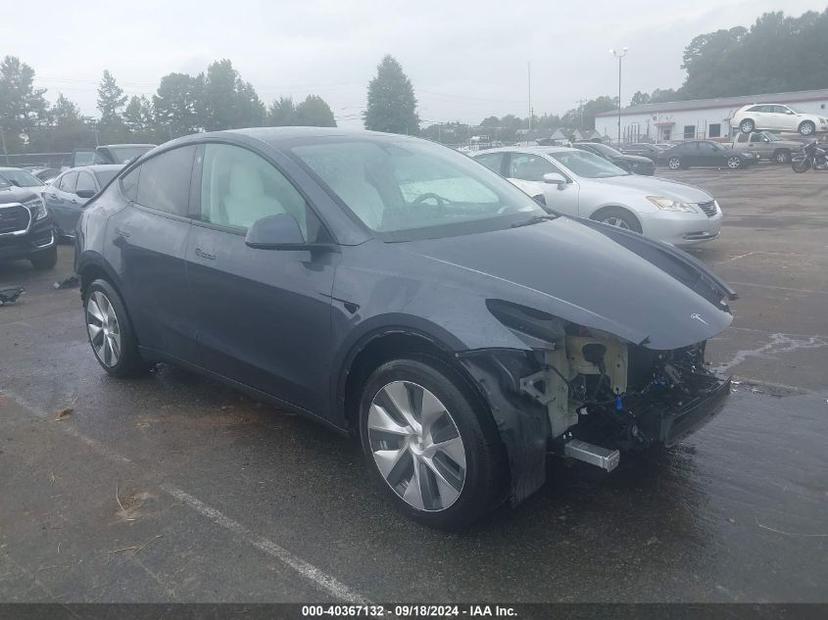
<point>111,99</point>
<point>282,112</point>
<point>314,112</point>
<point>177,104</point>
<point>22,106</point>
<point>392,106</point>
<point>138,117</point>
<point>640,98</point>
<point>228,102</point>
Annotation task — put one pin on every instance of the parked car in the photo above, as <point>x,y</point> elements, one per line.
<point>777,117</point>
<point>20,177</point>
<point>631,163</point>
<point>766,145</point>
<point>399,291</point>
<point>581,184</point>
<point>643,149</point>
<point>25,225</point>
<point>702,153</point>
<point>68,194</point>
<point>109,154</point>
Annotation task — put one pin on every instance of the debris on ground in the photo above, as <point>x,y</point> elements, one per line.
<point>64,413</point>
<point>10,294</point>
<point>69,282</point>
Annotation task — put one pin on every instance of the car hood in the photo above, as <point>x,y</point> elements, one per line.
<point>590,274</point>
<point>17,194</point>
<point>656,186</point>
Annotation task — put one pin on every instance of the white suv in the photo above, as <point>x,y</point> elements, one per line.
<point>777,117</point>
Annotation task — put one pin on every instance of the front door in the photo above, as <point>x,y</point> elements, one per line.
<point>262,317</point>
<point>527,170</point>
<point>59,199</point>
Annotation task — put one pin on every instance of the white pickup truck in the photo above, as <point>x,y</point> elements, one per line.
<point>767,146</point>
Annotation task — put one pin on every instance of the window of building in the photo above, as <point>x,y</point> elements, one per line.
<point>689,132</point>
<point>714,130</point>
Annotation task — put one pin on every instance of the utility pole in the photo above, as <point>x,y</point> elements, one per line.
<point>619,55</point>
<point>529,87</point>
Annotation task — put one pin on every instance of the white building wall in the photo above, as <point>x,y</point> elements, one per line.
<point>664,126</point>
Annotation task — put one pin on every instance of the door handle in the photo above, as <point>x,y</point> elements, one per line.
<point>122,233</point>
<point>205,255</point>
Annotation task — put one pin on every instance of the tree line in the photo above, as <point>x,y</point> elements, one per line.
<point>776,54</point>
<point>183,104</point>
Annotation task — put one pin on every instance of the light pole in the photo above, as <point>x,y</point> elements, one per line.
<point>619,54</point>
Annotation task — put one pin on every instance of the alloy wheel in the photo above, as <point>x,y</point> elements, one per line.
<point>733,163</point>
<point>674,163</point>
<point>103,328</point>
<point>614,220</point>
<point>781,158</point>
<point>416,446</point>
<point>806,129</point>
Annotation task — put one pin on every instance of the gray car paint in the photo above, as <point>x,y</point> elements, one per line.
<point>364,288</point>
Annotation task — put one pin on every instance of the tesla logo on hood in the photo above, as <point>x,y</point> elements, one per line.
<point>698,317</point>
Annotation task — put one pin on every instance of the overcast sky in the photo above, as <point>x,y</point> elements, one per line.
<point>467,59</point>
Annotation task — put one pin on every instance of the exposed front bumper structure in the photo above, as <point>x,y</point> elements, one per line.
<point>524,426</point>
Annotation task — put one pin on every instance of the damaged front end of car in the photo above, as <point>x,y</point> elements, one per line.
<point>586,394</point>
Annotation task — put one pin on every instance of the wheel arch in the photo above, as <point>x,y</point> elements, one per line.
<point>596,214</point>
<point>379,346</point>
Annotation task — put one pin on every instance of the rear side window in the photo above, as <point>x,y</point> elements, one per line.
<point>164,181</point>
<point>493,161</point>
<point>67,182</point>
<point>129,184</point>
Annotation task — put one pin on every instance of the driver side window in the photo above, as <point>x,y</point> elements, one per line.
<point>239,187</point>
<point>529,167</point>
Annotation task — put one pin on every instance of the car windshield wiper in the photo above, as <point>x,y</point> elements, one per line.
<point>536,219</point>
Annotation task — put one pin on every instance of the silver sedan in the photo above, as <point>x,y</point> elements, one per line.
<point>581,184</point>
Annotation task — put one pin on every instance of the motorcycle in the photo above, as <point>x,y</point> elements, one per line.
<point>811,155</point>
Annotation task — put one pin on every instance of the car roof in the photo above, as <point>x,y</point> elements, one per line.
<point>96,168</point>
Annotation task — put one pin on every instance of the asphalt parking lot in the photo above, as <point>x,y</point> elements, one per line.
<point>175,488</point>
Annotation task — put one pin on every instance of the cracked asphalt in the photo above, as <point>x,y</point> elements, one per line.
<point>173,488</point>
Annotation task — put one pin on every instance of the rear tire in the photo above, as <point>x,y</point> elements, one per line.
<point>807,128</point>
<point>407,408</point>
<point>747,125</point>
<point>43,261</point>
<point>675,163</point>
<point>110,331</point>
<point>618,217</point>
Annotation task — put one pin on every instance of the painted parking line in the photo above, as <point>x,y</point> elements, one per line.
<point>307,570</point>
<point>320,578</point>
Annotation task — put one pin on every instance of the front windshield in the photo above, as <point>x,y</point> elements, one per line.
<point>410,185</point>
<point>771,137</point>
<point>587,165</point>
<point>20,178</point>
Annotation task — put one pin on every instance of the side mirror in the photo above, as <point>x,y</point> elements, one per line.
<point>85,193</point>
<point>275,232</point>
<point>554,178</point>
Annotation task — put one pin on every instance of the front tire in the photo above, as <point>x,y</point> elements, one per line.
<point>110,331</point>
<point>801,165</point>
<point>734,162</point>
<point>430,444</point>
<point>747,125</point>
<point>807,128</point>
<point>43,261</point>
<point>618,217</point>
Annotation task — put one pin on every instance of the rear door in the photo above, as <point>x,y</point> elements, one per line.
<point>149,239</point>
<point>262,317</point>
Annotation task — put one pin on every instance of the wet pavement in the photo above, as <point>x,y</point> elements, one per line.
<point>175,488</point>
